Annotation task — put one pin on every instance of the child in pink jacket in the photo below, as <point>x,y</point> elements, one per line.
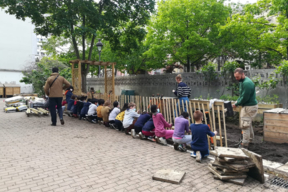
<point>160,123</point>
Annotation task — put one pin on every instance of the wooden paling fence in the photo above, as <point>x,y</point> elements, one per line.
<point>213,116</point>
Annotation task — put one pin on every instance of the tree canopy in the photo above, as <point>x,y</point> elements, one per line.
<point>79,19</point>
<point>186,30</point>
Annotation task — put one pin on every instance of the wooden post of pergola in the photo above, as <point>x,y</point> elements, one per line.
<point>109,81</point>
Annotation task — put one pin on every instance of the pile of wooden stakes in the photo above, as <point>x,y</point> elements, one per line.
<point>171,108</point>
<point>234,164</point>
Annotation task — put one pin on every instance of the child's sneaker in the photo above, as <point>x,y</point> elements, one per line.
<point>181,148</point>
<point>176,146</point>
<point>198,156</point>
<point>94,121</point>
<point>157,139</point>
<point>151,139</point>
<point>141,136</point>
<point>114,126</point>
<point>193,154</point>
<point>133,133</point>
<point>163,141</point>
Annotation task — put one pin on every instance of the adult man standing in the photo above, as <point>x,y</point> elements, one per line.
<point>90,94</point>
<point>247,99</point>
<point>54,90</point>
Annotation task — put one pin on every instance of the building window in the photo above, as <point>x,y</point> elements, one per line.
<point>37,53</point>
<point>43,54</point>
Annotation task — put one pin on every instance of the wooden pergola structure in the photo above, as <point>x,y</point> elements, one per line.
<point>109,81</point>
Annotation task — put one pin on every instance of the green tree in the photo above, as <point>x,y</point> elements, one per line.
<point>252,38</point>
<point>228,74</point>
<point>283,71</point>
<point>41,71</point>
<point>79,19</point>
<point>187,31</point>
<point>210,74</point>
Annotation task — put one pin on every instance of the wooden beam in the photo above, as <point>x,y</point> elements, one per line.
<point>93,62</point>
<point>106,80</point>
<point>113,81</point>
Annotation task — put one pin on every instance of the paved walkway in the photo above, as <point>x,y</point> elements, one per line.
<point>84,157</point>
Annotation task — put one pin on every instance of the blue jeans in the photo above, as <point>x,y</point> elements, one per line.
<point>184,99</point>
<point>186,139</point>
<point>203,153</point>
<point>53,101</point>
<point>63,109</point>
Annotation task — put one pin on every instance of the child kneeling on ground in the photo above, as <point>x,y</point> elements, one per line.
<point>113,114</point>
<point>92,111</point>
<point>99,108</point>
<point>199,132</point>
<point>105,113</point>
<point>85,109</point>
<point>119,118</point>
<point>160,124</point>
<point>179,138</point>
<point>130,118</point>
<point>148,130</point>
<point>144,117</point>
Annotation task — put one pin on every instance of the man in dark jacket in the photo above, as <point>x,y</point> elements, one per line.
<point>247,99</point>
<point>54,90</point>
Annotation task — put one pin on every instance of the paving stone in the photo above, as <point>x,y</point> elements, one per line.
<point>231,152</point>
<point>93,157</point>
<point>283,170</point>
<point>168,175</point>
<point>256,172</point>
<point>270,165</point>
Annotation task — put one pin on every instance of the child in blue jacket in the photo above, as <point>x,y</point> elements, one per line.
<point>199,132</point>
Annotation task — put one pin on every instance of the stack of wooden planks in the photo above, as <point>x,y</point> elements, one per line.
<point>234,164</point>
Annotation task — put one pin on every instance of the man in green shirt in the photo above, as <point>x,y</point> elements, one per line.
<point>247,99</point>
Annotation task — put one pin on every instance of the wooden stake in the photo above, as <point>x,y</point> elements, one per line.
<point>214,122</point>
<point>179,113</point>
<point>147,104</point>
<point>224,124</point>
<point>173,108</point>
<point>191,112</point>
<point>113,81</point>
<point>106,80</point>
<point>169,111</point>
<point>220,129</point>
<point>164,109</point>
<point>204,114</point>
<point>73,75</point>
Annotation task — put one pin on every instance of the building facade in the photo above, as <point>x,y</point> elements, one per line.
<point>18,49</point>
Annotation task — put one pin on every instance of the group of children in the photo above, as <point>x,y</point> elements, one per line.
<point>151,126</point>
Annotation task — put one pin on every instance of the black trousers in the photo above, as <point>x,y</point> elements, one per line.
<point>53,101</point>
<point>118,124</point>
<point>137,129</point>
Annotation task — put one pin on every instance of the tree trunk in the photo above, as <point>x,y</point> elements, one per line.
<point>83,66</point>
<point>188,64</point>
<point>287,53</point>
<point>219,63</point>
<point>260,61</point>
<point>74,42</point>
